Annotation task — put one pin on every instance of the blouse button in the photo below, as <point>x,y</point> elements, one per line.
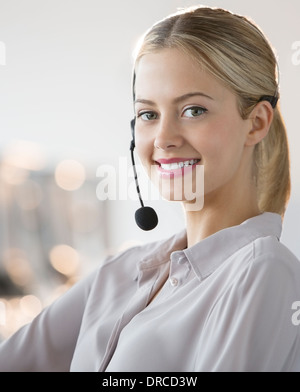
<point>174,282</point>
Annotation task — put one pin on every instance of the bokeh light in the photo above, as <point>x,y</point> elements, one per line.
<point>64,259</point>
<point>17,267</point>
<point>70,174</point>
<point>30,305</point>
<point>24,155</point>
<point>12,175</point>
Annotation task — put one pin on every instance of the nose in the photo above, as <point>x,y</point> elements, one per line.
<point>168,135</point>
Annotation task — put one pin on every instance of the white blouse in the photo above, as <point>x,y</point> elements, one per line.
<point>226,306</point>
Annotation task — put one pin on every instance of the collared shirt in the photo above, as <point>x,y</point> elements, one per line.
<point>225,304</point>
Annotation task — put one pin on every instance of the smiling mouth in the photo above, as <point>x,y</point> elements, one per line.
<point>178,165</point>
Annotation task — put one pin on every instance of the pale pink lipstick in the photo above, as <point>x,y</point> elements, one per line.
<point>176,167</point>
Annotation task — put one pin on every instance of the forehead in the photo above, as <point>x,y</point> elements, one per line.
<point>172,72</point>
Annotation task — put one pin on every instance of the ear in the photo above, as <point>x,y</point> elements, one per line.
<point>260,119</point>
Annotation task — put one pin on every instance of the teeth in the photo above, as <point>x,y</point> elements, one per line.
<point>178,165</point>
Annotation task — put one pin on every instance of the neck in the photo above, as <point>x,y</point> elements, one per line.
<point>221,210</point>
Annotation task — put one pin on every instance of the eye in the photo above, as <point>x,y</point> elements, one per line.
<point>147,116</point>
<point>194,111</point>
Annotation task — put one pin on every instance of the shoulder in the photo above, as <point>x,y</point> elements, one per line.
<point>272,254</point>
<point>269,267</point>
<point>264,268</point>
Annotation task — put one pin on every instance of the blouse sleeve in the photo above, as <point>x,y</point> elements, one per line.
<point>251,329</point>
<point>48,342</point>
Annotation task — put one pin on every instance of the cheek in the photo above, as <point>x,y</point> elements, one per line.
<point>208,144</point>
<point>224,137</point>
<point>221,147</point>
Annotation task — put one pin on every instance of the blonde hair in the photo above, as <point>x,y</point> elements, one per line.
<point>235,51</point>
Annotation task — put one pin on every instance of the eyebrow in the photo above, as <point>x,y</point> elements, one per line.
<point>177,99</point>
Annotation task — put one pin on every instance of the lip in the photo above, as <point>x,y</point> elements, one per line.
<point>172,173</point>
<point>174,160</point>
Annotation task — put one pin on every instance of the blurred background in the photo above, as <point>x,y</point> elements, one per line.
<point>65,108</point>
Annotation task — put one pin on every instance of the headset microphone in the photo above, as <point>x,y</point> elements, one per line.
<point>145,217</point>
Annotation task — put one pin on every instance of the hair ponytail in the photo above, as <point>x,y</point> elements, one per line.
<point>273,168</point>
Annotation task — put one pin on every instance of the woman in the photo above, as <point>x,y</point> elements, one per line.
<point>218,296</point>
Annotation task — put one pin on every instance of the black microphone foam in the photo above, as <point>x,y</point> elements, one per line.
<point>146,218</point>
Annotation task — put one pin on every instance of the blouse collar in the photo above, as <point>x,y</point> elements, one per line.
<point>209,253</point>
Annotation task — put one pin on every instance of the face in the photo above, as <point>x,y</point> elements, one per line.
<point>186,120</point>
